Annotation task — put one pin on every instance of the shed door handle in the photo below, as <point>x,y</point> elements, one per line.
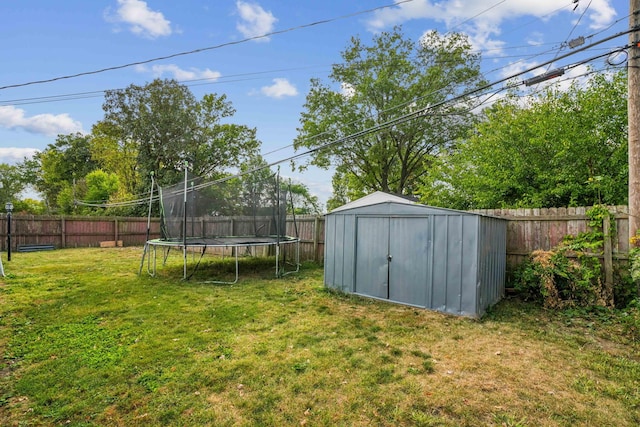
<point>389,258</point>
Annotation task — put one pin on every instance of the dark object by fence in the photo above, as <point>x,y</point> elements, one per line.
<point>35,248</point>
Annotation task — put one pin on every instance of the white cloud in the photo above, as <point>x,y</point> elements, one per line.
<point>347,90</point>
<point>536,38</point>
<point>417,9</point>
<point>179,73</point>
<point>602,14</point>
<point>255,21</point>
<point>13,155</point>
<point>45,124</point>
<point>141,20</point>
<point>481,20</point>
<point>517,67</point>
<point>577,75</point>
<point>279,89</point>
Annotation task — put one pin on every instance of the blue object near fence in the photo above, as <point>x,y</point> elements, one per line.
<point>35,248</point>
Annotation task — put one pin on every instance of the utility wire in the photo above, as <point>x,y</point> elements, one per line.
<point>423,111</point>
<point>204,49</point>
<point>398,120</point>
<point>208,81</point>
<point>393,122</point>
<point>230,177</point>
<point>476,15</point>
<point>500,81</point>
<point>575,25</point>
<point>220,80</point>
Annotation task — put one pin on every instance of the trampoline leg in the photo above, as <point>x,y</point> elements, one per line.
<point>154,261</point>
<point>236,281</point>
<point>237,273</point>
<point>144,254</point>
<point>297,260</point>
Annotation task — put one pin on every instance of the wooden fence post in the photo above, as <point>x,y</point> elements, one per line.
<point>608,260</point>
<point>63,237</point>
<point>316,237</point>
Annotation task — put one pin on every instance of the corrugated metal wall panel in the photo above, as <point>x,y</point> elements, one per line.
<point>409,246</point>
<point>329,260</point>
<point>440,263</point>
<point>338,254</point>
<point>493,262</point>
<point>347,236</point>
<point>372,248</point>
<point>453,278</point>
<point>469,265</point>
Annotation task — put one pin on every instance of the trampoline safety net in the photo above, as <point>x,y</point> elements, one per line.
<point>252,205</point>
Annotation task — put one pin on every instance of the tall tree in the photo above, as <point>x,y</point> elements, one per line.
<point>116,156</point>
<point>563,148</point>
<point>11,184</point>
<point>101,186</point>
<point>60,164</point>
<point>301,201</point>
<point>165,125</point>
<point>380,83</point>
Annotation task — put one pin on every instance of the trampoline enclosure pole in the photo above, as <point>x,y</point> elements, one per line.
<point>278,224</point>
<point>150,203</point>
<point>184,225</point>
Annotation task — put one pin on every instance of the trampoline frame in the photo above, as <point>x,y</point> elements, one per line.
<point>234,243</point>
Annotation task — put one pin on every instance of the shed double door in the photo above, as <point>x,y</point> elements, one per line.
<point>392,258</point>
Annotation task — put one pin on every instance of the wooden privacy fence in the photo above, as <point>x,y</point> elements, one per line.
<point>527,230</point>
<point>531,229</point>
<point>76,232</point>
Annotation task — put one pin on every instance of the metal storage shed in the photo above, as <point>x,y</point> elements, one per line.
<point>390,248</point>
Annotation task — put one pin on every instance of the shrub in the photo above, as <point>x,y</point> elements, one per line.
<point>631,320</point>
<point>571,273</point>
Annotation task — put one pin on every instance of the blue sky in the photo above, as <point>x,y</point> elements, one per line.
<point>266,78</point>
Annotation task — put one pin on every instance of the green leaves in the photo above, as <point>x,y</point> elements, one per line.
<point>146,129</point>
<point>168,125</point>
<point>563,148</point>
<point>378,84</point>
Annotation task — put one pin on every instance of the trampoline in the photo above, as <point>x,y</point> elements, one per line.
<point>239,213</point>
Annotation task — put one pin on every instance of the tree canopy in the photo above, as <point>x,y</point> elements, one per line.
<point>560,148</point>
<point>11,183</point>
<point>380,83</point>
<point>165,126</point>
<point>61,166</point>
<point>301,201</point>
<point>154,128</point>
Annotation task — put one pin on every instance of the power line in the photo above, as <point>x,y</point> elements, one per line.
<point>477,92</point>
<point>575,25</point>
<point>211,81</point>
<point>231,78</point>
<point>204,49</point>
<point>476,15</point>
<point>420,112</point>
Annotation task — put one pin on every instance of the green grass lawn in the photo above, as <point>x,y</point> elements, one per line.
<point>86,341</point>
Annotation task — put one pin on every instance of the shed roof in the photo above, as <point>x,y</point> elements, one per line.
<point>391,200</point>
<point>375,198</point>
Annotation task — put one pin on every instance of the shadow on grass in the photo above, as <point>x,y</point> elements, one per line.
<point>224,269</point>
